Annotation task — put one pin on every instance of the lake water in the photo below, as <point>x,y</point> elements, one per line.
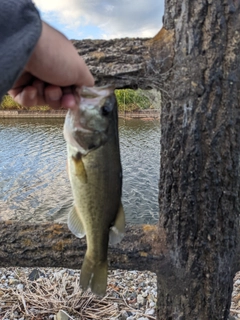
<point>33,181</point>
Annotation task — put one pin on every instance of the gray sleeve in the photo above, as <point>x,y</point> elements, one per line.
<point>20,28</point>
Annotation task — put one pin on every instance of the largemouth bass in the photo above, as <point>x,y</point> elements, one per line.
<point>95,173</point>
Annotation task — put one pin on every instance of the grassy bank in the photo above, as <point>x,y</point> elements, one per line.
<point>8,103</point>
<point>128,100</point>
<point>132,100</point>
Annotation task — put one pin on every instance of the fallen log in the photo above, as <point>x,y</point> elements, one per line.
<point>53,245</point>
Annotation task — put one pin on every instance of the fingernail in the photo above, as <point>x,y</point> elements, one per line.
<point>71,103</point>
<point>68,101</point>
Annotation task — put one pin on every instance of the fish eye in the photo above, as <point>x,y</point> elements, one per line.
<point>106,110</point>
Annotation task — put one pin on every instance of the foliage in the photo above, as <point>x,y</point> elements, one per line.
<point>131,100</point>
<point>8,103</point>
<point>128,100</point>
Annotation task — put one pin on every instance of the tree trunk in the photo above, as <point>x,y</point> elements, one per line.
<point>199,181</point>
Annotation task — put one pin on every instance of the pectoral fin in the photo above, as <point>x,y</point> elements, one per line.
<point>75,224</point>
<point>117,231</point>
<point>79,168</point>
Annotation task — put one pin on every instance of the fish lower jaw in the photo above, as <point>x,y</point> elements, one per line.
<point>74,150</point>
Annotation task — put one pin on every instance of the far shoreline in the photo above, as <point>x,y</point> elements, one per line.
<point>147,114</point>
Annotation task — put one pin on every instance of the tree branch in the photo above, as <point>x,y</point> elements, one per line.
<point>129,62</point>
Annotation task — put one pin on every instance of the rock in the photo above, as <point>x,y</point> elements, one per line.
<point>140,299</point>
<point>71,272</point>
<point>62,315</point>
<point>142,284</point>
<point>124,315</point>
<point>133,295</point>
<point>20,287</point>
<point>150,311</point>
<point>35,274</point>
<point>13,281</point>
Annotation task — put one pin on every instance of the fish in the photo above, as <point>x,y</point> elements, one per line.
<point>95,174</point>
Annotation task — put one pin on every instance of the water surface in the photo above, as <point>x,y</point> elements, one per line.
<point>33,181</point>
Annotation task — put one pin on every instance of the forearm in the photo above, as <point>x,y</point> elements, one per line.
<point>20,29</point>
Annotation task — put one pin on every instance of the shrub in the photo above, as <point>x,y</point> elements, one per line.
<point>131,100</point>
<point>8,103</point>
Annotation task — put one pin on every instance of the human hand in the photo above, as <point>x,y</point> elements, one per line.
<point>52,73</point>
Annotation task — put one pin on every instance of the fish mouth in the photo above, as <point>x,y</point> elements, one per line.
<point>82,130</point>
<point>95,92</point>
<point>86,125</point>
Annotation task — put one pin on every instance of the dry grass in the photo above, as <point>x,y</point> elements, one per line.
<point>42,297</point>
<point>49,294</point>
<point>8,103</point>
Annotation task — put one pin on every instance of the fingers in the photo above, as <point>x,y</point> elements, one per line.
<point>68,101</point>
<point>39,85</point>
<point>52,73</point>
<point>40,94</point>
<point>53,95</point>
<point>26,97</point>
<point>70,98</point>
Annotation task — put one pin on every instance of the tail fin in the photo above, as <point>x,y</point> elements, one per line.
<point>95,276</point>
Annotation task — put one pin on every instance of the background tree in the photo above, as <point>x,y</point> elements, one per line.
<point>199,182</point>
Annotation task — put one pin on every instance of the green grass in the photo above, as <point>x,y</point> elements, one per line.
<point>8,103</point>
<point>128,100</point>
<point>131,100</point>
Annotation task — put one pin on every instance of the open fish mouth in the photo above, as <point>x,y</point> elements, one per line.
<point>94,92</point>
<point>86,125</point>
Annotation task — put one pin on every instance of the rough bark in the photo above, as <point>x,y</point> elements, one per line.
<point>121,62</point>
<point>129,62</point>
<point>53,245</point>
<point>199,179</point>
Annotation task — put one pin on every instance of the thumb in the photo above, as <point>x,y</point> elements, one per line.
<point>56,61</point>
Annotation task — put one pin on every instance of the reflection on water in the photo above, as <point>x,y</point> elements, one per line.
<point>33,181</point>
